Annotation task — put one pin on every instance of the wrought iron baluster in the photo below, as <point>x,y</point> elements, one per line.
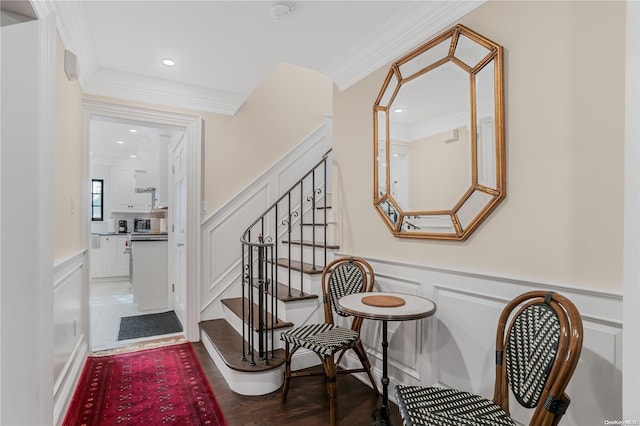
<point>274,300</point>
<point>289,239</point>
<point>244,282</point>
<point>267,263</point>
<point>301,236</point>
<point>249,324</point>
<point>313,219</point>
<point>326,192</point>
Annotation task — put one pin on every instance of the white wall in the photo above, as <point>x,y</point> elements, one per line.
<point>26,343</point>
<point>631,348</point>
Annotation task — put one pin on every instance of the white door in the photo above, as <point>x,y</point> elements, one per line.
<point>179,230</point>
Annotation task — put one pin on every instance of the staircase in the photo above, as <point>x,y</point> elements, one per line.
<point>283,254</point>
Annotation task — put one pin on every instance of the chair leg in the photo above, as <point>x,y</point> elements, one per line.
<point>359,349</point>
<point>330,372</point>
<point>287,372</point>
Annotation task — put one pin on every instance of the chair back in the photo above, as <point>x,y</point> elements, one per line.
<point>341,277</point>
<point>536,356</point>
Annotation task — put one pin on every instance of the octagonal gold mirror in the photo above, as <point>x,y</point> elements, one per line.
<point>439,148</point>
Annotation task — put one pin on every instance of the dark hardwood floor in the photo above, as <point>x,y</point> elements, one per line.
<point>307,403</point>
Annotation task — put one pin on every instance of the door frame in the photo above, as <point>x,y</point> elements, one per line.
<point>193,135</point>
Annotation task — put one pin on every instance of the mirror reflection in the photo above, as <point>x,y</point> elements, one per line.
<point>439,138</point>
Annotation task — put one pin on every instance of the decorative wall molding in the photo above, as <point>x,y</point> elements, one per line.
<point>403,31</point>
<point>419,22</point>
<point>71,344</point>
<point>122,85</point>
<point>455,347</point>
<point>222,229</point>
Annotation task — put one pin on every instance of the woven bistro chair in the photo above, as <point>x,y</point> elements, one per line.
<point>535,359</point>
<point>343,276</point>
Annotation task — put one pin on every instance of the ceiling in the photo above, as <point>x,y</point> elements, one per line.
<point>223,50</point>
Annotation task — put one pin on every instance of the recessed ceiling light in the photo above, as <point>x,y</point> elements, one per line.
<point>398,110</point>
<point>120,142</point>
<point>133,131</point>
<point>133,156</point>
<point>169,62</point>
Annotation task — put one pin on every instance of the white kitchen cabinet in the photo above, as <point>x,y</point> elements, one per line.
<point>124,195</point>
<point>108,246</point>
<point>122,257</point>
<point>150,279</point>
<point>108,258</point>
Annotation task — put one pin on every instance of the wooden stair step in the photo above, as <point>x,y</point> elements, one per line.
<point>283,293</point>
<point>235,304</point>
<point>307,268</point>
<point>228,343</point>
<point>311,244</point>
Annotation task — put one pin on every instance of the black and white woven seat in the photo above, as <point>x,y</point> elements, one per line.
<point>340,277</point>
<point>535,359</point>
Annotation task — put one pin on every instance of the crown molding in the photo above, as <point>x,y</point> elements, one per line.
<point>133,87</point>
<point>72,25</point>
<point>42,8</point>
<point>420,20</point>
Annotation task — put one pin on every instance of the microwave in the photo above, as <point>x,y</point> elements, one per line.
<point>142,225</point>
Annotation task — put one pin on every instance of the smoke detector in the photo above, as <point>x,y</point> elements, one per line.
<point>281,10</point>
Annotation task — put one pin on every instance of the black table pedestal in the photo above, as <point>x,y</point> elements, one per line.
<point>382,415</point>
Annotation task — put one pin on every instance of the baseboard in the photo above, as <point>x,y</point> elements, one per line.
<point>68,380</point>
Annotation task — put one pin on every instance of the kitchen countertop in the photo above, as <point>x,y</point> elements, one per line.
<point>137,236</point>
<point>151,236</point>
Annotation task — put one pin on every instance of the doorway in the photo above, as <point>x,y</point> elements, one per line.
<point>129,148</point>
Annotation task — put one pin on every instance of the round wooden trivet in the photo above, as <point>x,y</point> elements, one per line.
<point>383,301</point>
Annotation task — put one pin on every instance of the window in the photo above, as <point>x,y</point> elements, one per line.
<point>97,200</point>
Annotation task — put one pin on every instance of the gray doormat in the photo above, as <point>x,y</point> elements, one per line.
<point>149,325</point>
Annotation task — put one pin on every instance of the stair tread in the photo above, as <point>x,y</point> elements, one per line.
<point>307,268</point>
<point>311,244</point>
<point>283,293</point>
<point>235,305</point>
<point>228,343</point>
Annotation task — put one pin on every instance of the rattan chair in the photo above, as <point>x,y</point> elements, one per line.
<point>340,277</point>
<point>535,359</point>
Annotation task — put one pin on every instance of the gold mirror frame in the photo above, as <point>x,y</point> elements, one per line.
<point>485,136</point>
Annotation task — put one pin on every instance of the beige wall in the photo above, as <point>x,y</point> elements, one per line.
<point>290,104</point>
<point>562,219</point>
<point>287,106</point>
<point>440,171</point>
<point>67,180</point>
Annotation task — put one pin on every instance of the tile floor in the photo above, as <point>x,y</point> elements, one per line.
<point>108,301</point>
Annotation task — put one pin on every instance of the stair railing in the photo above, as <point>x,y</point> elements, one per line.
<point>284,221</point>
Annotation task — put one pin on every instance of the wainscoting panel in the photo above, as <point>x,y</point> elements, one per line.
<point>455,347</point>
<point>466,325</point>
<point>69,339</point>
<point>221,232</point>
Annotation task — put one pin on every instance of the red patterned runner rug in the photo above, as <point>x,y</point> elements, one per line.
<point>157,386</point>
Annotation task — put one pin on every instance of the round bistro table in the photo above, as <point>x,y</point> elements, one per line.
<point>386,307</point>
